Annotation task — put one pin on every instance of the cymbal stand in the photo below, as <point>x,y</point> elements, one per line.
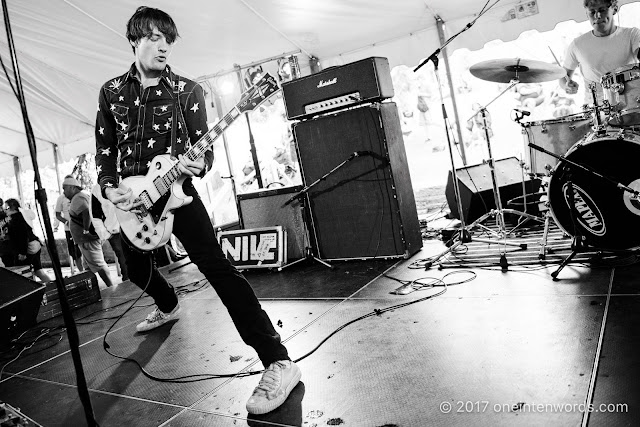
<point>499,211</point>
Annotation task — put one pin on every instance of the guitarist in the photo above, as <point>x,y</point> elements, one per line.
<point>134,123</point>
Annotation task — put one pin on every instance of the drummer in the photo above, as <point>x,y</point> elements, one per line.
<point>602,50</point>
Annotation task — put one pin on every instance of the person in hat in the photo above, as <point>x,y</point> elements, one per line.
<point>82,230</point>
<point>62,215</point>
<point>25,244</point>
<point>133,125</point>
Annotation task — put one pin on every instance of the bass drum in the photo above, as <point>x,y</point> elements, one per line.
<point>608,217</point>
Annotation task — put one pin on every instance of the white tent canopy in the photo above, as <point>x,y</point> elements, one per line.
<point>68,48</point>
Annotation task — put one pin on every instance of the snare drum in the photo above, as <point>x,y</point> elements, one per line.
<point>621,89</point>
<point>556,136</point>
<point>608,217</point>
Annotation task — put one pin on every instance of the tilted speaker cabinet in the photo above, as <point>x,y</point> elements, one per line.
<point>476,189</point>
<point>366,207</point>
<point>20,300</point>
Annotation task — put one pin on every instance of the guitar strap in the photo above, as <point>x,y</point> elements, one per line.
<point>176,114</point>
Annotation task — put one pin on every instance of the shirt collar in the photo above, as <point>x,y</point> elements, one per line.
<point>133,73</point>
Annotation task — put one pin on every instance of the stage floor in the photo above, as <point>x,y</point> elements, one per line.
<point>508,348</point>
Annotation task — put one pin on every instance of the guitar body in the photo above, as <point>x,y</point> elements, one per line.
<point>152,228</point>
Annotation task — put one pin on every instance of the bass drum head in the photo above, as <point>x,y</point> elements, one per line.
<point>607,217</point>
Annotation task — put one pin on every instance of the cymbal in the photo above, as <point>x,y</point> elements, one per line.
<point>523,70</point>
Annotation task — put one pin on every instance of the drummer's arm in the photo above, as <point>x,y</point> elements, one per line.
<point>569,85</point>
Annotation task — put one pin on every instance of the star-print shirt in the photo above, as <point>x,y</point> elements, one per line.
<point>133,124</point>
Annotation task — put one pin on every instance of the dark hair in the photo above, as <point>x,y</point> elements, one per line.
<point>610,3</point>
<point>142,21</point>
<point>13,204</point>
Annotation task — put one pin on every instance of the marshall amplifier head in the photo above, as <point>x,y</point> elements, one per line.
<point>367,80</point>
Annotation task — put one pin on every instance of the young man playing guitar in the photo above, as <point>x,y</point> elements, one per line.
<point>137,120</point>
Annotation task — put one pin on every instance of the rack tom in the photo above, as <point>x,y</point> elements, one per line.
<point>621,89</point>
<point>556,136</point>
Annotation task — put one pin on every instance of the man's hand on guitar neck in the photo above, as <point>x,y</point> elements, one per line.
<point>123,199</point>
<point>190,167</point>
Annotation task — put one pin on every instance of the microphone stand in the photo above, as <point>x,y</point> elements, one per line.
<point>302,195</point>
<point>41,197</point>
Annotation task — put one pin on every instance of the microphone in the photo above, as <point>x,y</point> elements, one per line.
<point>523,112</point>
<point>360,153</point>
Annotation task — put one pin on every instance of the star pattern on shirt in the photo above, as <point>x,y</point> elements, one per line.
<point>179,141</point>
<point>164,108</point>
<point>151,142</point>
<point>113,107</point>
<point>168,150</point>
<point>129,151</point>
<point>121,98</point>
<point>167,125</point>
<point>137,102</point>
<point>159,92</point>
<point>126,136</point>
<point>101,130</point>
<point>106,151</point>
<point>198,132</point>
<point>195,107</point>
<point>122,124</point>
<point>99,168</point>
<point>108,184</point>
<point>115,84</point>
<point>148,164</point>
<point>156,127</point>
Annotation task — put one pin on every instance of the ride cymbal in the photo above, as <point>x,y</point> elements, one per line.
<point>523,70</point>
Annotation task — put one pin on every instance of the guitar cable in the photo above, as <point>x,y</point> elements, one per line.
<point>376,312</point>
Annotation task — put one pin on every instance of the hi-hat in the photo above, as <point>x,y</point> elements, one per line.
<point>523,70</point>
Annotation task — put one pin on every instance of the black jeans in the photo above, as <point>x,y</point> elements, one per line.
<point>193,227</point>
<point>116,244</point>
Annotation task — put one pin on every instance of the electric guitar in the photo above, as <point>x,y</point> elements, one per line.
<point>160,190</point>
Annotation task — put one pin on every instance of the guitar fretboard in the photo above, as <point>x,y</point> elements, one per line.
<point>197,150</point>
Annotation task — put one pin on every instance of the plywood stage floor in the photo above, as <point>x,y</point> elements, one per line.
<point>508,348</point>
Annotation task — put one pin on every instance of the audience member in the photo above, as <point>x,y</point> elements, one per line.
<point>25,244</point>
<point>62,215</point>
<point>82,229</point>
<point>103,217</point>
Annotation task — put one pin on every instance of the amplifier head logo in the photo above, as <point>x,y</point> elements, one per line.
<point>324,83</point>
<point>254,248</point>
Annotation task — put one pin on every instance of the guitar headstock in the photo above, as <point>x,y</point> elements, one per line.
<point>258,93</point>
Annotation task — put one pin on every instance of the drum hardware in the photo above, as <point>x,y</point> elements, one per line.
<point>578,243</point>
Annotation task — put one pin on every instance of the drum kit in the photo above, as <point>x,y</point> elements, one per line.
<point>588,161</point>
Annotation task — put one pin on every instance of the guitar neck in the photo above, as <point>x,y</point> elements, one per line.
<point>206,142</point>
<point>198,149</point>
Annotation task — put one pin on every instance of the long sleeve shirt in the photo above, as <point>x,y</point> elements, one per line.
<point>133,124</point>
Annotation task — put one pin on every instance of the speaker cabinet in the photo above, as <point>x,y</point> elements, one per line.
<point>361,202</point>
<point>267,208</point>
<point>20,300</point>
<point>476,189</point>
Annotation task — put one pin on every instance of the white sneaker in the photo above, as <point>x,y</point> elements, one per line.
<point>273,389</point>
<point>157,318</point>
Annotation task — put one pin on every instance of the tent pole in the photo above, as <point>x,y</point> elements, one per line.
<point>17,168</point>
<point>445,57</point>
<point>56,161</point>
